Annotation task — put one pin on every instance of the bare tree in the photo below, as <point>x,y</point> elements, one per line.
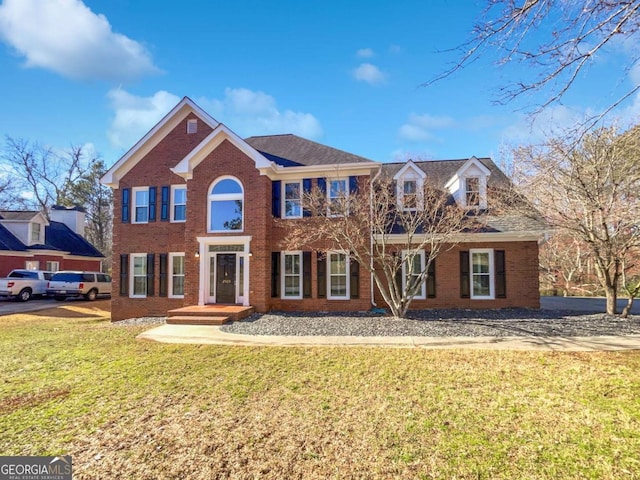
<point>41,173</point>
<point>589,190</point>
<point>375,230</point>
<point>564,264</point>
<point>555,39</point>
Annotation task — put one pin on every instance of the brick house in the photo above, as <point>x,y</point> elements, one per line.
<point>29,240</point>
<point>195,212</point>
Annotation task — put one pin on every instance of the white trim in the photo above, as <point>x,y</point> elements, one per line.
<point>410,172</point>
<point>134,212</point>
<point>133,256</point>
<point>170,273</point>
<point>346,274</point>
<point>172,203</point>
<point>278,172</point>
<point>222,197</point>
<point>423,287</point>
<point>523,236</point>
<point>220,133</point>
<point>52,269</point>
<point>284,199</point>
<point>203,244</point>
<point>491,274</point>
<point>172,119</point>
<point>283,275</point>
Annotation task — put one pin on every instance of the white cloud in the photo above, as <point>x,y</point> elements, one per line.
<point>65,36</point>
<point>365,53</point>
<point>135,116</point>
<point>369,73</point>
<point>395,49</point>
<point>419,127</point>
<point>553,121</point>
<point>249,112</point>
<point>244,111</point>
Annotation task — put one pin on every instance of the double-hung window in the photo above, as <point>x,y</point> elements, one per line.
<point>138,286</point>
<point>52,266</point>
<point>291,275</point>
<point>338,277</point>
<point>293,199</point>
<point>178,203</point>
<point>176,275</point>
<point>482,273</point>
<point>410,195</point>
<point>36,230</point>
<point>412,267</point>
<point>337,193</point>
<point>141,205</point>
<point>472,191</point>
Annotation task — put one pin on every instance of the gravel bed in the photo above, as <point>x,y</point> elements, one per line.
<point>132,322</point>
<point>439,323</point>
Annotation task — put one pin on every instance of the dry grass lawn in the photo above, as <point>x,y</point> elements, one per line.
<point>72,383</point>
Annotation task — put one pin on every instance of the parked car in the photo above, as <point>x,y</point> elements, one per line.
<point>24,284</point>
<point>90,285</point>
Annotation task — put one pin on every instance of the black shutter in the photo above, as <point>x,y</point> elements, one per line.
<point>152,204</point>
<point>353,184</point>
<point>126,205</point>
<point>306,189</point>
<point>124,274</point>
<point>276,189</point>
<point>322,276</point>
<point>501,274</point>
<point>275,273</point>
<point>163,275</point>
<point>150,274</point>
<point>322,185</point>
<point>431,279</point>
<point>465,280</point>
<point>306,274</point>
<point>354,274</point>
<point>164,206</point>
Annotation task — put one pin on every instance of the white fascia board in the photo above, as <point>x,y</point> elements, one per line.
<point>15,253</point>
<point>524,236</point>
<point>329,171</point>
<point>185,167</point>
<point>153,137</point>
<point>410,166</point>
<point>50,253</point>
<point>68,256</point>
<point>460,173</point>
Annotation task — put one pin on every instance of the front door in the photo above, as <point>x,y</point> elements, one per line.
<point>226,278</point>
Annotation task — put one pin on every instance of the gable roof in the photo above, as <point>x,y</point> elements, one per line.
<point>153,137</point>
<point>301,151</point>
<point>60,237</point>
<point>441,171</point>
<point>8,241</point>
<point>20,215</point>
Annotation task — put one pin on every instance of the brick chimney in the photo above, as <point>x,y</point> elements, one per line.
<point>72,217</point>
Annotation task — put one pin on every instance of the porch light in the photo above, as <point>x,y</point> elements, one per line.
<point>250,254</point>
<point>197,255</point>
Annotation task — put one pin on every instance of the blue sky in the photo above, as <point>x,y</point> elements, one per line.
<point>346,74</point>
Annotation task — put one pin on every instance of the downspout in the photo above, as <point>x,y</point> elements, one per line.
<point>371,281</point>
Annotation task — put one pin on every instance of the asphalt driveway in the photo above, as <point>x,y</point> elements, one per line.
<point>8,307</point>
<point>584,304</point>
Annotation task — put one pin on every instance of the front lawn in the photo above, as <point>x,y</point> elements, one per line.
<point>73,383</point>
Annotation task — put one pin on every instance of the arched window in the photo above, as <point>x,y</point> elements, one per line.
<point>226,205</point>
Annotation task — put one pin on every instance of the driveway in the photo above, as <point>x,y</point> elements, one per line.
<point>8,307</point>
<point>584,304</point>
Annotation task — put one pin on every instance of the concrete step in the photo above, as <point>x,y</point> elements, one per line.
<point>234,312</point>
<point>197,320</point>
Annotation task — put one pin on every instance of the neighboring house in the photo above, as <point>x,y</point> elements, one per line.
<point>29,240</point>
<point>195,212</point>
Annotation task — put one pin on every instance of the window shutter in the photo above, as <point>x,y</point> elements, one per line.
<point>322,185</point>
<point>126,205</point>
<point>150,274</point>
<point>306,274</point>
<point>276,189</point>
<point>164,207</point>
<point>163,275</point>
<point>322,276</point>
<point>306,189</point>
<point>275,273</point>
<point>465,280</point>
<point>501,274</point>
<point>431,279</point>
<point>152,204</point>
<point>124,274</point>
<point>353,184</point>
<point>354,274</point>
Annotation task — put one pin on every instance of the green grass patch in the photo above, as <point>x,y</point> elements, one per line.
<point>122,408</point>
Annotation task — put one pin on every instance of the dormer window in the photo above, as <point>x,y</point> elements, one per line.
<point>472,191</point>
<point>410,195</point>
<point>36,232</point>
<point>409,187</point>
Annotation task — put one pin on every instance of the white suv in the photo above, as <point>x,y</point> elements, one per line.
<point>75,284</point>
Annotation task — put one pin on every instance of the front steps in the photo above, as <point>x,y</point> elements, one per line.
<point>207,314</point>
